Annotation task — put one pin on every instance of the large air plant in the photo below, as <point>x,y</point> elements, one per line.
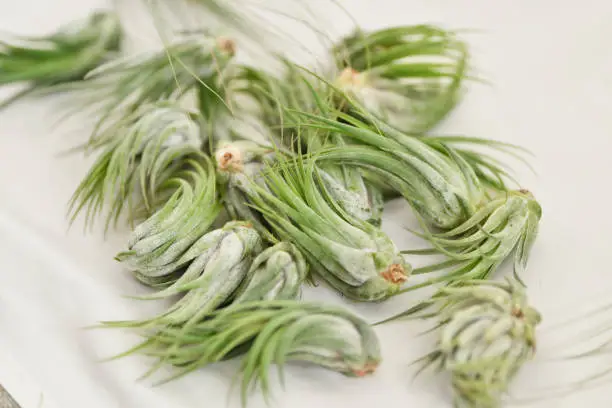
<point>409,77</point>
<point>506,225</point>
<point>353,256</point>
<point>268,332</point>
<point>444,191</point>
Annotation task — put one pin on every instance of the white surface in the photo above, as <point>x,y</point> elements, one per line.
<point>550,64</point>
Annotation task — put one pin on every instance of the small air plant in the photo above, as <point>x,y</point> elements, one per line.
<point>486,334</point>
<point>207,272</point>
<point>160,247</point>
<point>119,87</point>
<point>353,256</point>
<point>475,249</point>
<point>298,90</point>
<point>140,153</point>
<point>268,332</point>
<point>444,191</point>
<point>409,77</point>
<point>277,273</point>
<point>64,56</point>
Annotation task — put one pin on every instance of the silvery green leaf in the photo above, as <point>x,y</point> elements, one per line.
<point>277,273</point>
<point>210,278</point>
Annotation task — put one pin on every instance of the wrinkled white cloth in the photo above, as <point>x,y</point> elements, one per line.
<point>550,68</point>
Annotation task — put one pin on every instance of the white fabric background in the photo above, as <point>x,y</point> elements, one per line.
<point>549,63</point>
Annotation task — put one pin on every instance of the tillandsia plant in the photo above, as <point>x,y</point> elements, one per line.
<point>353,256</point>
<point>121,86</point>
<point>409,76</point>
<point>64,56</point>
<point>486,334</point>
<point>298,90</point>
<point>207,272</point>
<point>160,247</point>
<point>444,191</point>
<point>277,273</point>
<point>268,332</point>
<point>140,153</point>
<point>475,249</point>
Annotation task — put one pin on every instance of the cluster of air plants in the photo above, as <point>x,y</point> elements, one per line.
<point>277,180</point>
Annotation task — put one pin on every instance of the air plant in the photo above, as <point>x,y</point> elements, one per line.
<point>65,56</point>
<point>486,333</point>
<point>409,77</point>
<point>298,91</point>
<point>139,154</point>
<point>207,272</point>
<point>277,273</point>
<point>165,243</point>
<point>475,249</point>
<point>445,192</point>
<point>353,256</point>
<point>268,332</point>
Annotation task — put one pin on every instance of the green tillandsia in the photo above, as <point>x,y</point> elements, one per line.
<point>212,268</point>
<point>277,273</point>
<point>346,184</point>
<point>409,77</point>
<point>444,191</point>
<point>481,169</point>
<point>486,334</point>
<point>121,86</point>
<point>139,154</point>
<point>475,249</point>
<point>67,55</point>
<point>160,247</point>
<point>268,332</point>
<point>353,256</point>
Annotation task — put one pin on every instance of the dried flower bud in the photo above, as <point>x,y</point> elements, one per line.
<point>229,159</point>
<point>227,44</point>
